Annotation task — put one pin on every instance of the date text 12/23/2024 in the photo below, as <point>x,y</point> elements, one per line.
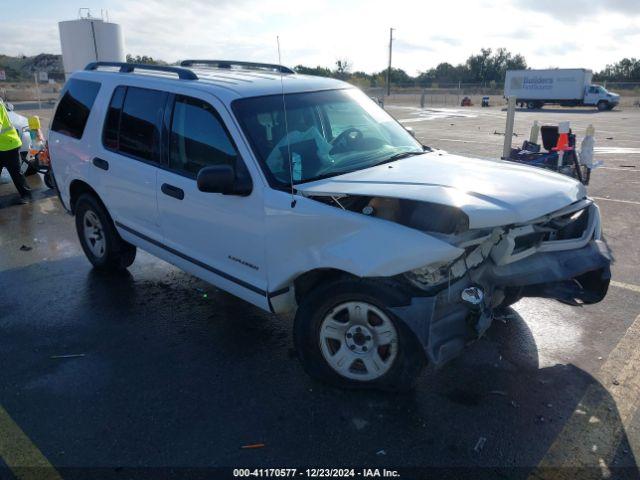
<point>315,473</point>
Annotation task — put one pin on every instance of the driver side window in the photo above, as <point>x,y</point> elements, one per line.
<point>198,138</point>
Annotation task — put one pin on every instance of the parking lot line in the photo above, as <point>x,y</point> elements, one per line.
<point>620,169</point>
<point>626,286</point>
<point>592,435</point>
<point>616,200</point>
<point>19,453</point>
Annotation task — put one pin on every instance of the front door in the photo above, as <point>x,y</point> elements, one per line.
<point>217,237</point>
<point>592,96</point>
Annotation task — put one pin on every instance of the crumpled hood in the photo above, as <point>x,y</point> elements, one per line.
<point>491,193</point>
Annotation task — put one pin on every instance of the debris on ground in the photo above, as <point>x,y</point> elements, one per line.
<point>252,446</point>
<point>609,138</point>
<point>495,132</point>
<point>480,444</point>
<point>616,382</point>
<point>25,248</point>
<point>360,423</point>
<point>381,452</point>
<point>69,355</point>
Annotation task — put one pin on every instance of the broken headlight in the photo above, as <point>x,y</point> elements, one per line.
<point>431,275</point>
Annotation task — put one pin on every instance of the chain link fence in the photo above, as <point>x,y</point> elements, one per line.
<point>451,95</point>
<point>411,94</point>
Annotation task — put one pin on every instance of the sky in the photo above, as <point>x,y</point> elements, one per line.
<point>549,33</point>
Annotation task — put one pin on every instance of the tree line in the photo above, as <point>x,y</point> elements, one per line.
<point>487,68</point>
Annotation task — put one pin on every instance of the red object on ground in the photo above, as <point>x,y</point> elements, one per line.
<point>563,143</point>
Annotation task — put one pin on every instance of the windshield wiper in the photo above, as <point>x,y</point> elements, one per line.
<point>397,156</point>
<point>392,158</point>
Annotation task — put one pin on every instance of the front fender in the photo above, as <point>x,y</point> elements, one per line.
<point>314,235</point>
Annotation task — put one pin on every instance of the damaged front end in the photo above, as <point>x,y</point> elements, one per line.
<point>560,255</point>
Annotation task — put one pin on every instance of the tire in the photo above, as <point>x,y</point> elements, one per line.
<point>98,236</point>
<point>511,295</point>
<point>380,351</point>
<point>603,105</point>
<point>49,181</point>
<point>531,105</point>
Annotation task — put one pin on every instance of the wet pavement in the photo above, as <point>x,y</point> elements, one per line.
<point>155,368</point>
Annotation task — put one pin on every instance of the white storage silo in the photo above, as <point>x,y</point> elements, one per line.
<point>87,40</point>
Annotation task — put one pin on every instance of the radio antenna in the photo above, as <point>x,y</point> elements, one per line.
<point>286,128</point>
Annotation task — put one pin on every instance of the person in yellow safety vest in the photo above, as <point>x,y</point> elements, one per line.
<point>10,154</point>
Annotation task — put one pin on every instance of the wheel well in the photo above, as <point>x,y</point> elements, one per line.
<point>76,189</point>
<point>311,279</point>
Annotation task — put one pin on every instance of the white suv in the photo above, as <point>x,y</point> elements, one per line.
<point>300,195</point>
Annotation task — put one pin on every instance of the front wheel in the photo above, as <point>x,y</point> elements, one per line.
<point>346,335</point>
<point>99,239</point>
<point>603,105</point>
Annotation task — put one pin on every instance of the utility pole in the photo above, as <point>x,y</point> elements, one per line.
<point>389,68</point>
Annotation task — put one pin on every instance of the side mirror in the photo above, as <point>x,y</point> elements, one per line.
<point>9,106</point>
<point>411,131</point>
<point>223,179</point>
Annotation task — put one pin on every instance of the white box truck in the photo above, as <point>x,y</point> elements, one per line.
<point>569,87</point>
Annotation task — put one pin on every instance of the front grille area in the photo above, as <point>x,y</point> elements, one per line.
<point>529,240</point>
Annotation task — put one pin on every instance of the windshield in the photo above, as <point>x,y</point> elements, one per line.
<point>329,133</point>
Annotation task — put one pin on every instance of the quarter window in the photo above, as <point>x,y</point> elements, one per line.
<point>198,137</point>
<point>74,107</point>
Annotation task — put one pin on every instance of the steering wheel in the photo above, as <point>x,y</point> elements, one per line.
<point>346,139</point>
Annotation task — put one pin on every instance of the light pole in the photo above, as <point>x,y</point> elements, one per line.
<point>389,68</point>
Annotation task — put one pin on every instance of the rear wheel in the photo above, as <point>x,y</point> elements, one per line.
<point>99,239</point>
<point>346,335</point>
<point>531,105</point>
<point>48,180</point>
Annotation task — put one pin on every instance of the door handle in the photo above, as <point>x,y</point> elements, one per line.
<point>172,191</point>
<point>100,163</point>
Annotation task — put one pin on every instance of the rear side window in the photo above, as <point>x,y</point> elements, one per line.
<point>133,122</point>
<point>112,122</point>
<point>140,123</point>
<point>74,107</point>
<point>198,137</point>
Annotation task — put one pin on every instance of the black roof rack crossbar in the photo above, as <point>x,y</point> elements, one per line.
<point>183,73</point>
<point>232,63</point>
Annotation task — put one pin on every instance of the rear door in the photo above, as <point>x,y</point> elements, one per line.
<point>217,237</point>
<point>126,167</point>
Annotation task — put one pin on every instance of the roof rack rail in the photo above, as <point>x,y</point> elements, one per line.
<point>183,73</point>
<point>232,63</point>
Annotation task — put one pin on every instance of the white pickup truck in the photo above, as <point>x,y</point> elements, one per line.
<point>569,87</point>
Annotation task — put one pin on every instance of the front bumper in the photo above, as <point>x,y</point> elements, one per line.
<point>444,323</point>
